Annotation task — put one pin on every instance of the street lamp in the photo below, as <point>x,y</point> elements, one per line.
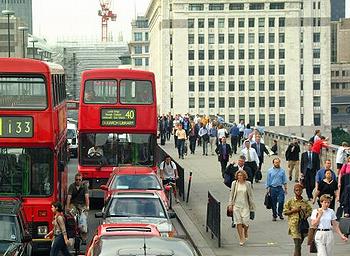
<point>8,13</point>
<point>33,41</point>
<point>23,29</point>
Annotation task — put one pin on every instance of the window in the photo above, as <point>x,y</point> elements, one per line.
<point>211,102</point>
<point>211,39</point>
<point>236,6</point>
<point>231,54</point>
<point>221,54</point>
<point>256,6</point>
<point>261,85</point>
<point>251,102</point>
<point>191,102</point>
<point>271,69</point>
<point>317,119</point>
<point>216,7</point>
<point>221,102</point>
<point>201,54</point>
<point>282,102</point>
<point>316,37</point>
<point>191,70</point>
<point>211,70</point>
<point>271,38</point>
<point>251,38</point>
<point>191,86</point>
<point>211,86</point>
<point>262,119</point>
<point>190,23</point>
<point>146,49</point>
<point>146,36</point>
<point>241,101</point>
<point>241,22</point>
<point>190,38</point>
<point>231,22</point>
<point>282,85</point>
<point>281,69</point>
<point>200,23</point>
<point>241,54</point>
<point>271,22</point>
<point>201,70</point>
<point>221,86</point>
<point>138,36</point>
<point>221,70</point>
<point>196,7</point>
<point>231,70</point>
<point>251,22</point>
<point>261,70</point>
<point>271,85</point>
<point>201,102</point>
<point>231,102</point>
<point>271,54</point>
<point>281,38</point>
<point>241,86</point>
<point>261,22</point>
<point>251,86</point>
<point>317,85</point>
<point>138,61</point>
<point>282,120</point>
<point>147,61</point>
<point>241,70</point>
<point>316,53</point>
<point>261,38</point>
<point>138,49</point>
<point>201,86</point>
<point>317,101</point>
<point>211,23</point>
<point>241,38</point>
<point>281,53</point>
<point>231,38</point>
<point>211,54</point>
<point>281,22</point>
<point>271,120</point>
<point>277,6</point>
<point>251,70</point>
<point>261,102</point>
<point>200,38</point>
<point>221,23</point>
<point>251,54</point>
<point>191,54</point>
<point>271,102</point>
<point>221,38</point>
<point>231,86</point>
<point>317,69</point>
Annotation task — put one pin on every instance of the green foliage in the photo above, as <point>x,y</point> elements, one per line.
<point>339,135</point>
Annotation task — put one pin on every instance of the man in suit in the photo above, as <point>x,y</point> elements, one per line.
<point>252,159</point>
<point>310,163</point>
<point>224,152</point>
<point>260,150</point>
<point>233,167</point>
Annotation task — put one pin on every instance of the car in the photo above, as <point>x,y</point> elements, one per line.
<point>72,138</point>
<point>120,230</point>
<point>138,206</point>
<point>139,246</point>
<point>134,178</point>
<point>15,238</point>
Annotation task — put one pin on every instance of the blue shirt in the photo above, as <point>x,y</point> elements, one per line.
<point>276,177</point>
<point>320,175</point>
<point>234,131</point>
<point>213,132</point>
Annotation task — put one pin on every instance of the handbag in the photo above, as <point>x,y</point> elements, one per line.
<point>252,215</point>
<point>311,235</point>
<point>303,225</point>
<point>229,211</point>
<point>268,201</point>
<point>206,137</point>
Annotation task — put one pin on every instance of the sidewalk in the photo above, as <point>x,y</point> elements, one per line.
<point>265,237</point>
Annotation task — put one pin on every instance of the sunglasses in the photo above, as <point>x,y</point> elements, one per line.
<point>78,179</point>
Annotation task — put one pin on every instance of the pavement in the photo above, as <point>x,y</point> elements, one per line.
<point>265,237</point>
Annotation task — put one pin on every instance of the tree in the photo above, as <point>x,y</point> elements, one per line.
<point>339,135</point>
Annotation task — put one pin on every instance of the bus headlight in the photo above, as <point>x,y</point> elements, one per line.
<point>42,230</point>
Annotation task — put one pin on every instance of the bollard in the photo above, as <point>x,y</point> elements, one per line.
<point>189,186</point>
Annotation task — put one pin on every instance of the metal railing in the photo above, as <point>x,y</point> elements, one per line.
<point>213,218</point>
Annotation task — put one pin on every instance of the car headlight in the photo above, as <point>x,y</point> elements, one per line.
<point>42,230</point>
<point>164,234</point>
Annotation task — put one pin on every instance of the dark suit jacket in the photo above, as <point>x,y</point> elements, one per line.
<point>219,150</point>
<point>232,169</point>
<point>262,150</point>
<point>304,162</point>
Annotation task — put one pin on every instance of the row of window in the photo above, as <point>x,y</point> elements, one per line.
<point>344,73</point>
<point>59,88</point>
<point>138,49</point>
<point>251,119</point>
<point>140,36</point>
<point>341,85</point>
<point>242,22</point>
<point>141,61</point>
<point>237,6</point>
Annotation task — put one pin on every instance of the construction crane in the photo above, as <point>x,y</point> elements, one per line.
<point>106,15</point>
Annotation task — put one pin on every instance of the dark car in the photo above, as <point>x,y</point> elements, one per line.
<point>15,238</point>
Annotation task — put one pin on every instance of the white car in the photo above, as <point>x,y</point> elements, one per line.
<point>72,138</point>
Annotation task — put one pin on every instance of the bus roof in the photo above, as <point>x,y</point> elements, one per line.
<point>19,65</point>
<point>116,72</point>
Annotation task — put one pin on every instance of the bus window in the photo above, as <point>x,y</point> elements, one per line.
<point>136,92</point>
<point>22,93</point>
<point>100,91</point>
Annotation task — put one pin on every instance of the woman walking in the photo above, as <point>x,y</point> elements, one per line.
<point>297,208</point>
<point>325,220</point>
<point>181,137</point>
<point>241,202</point>
<point>327,186</point>
<point>192,136</point>
<point>213,133</point>
<point>60,238</point>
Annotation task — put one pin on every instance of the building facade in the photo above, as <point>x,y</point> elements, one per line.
<point>18,39</point>
<point>264,61</point>
<point>337,9</point>
<point>22,9</point>
<point>139,44</point>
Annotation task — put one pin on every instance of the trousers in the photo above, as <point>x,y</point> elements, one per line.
<point>277,197</point>
<point>324,243</point>
<point>58,244</point>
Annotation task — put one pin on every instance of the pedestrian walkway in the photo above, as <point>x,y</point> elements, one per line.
<point>265,237</point>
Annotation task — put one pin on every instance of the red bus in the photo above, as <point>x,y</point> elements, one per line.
<point>33,139</point>
<point>117,123</point>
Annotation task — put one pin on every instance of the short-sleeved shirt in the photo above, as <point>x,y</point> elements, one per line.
<point>326,188</point>
<point>78,195</point>
<point>168,169</point>
<point>326,218</point>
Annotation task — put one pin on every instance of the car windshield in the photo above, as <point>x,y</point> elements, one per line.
<point>136,207</point>
<point>70,134</point>
<point>113,149</point>
<point>8,231</point>
<point>136,182</point>
<point>26,171</point>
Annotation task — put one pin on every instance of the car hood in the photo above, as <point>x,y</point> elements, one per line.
<point>4,245</point>
<point>162,224</point>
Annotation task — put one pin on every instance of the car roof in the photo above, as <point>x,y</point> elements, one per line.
<point>10,206</point>
<point>134,193</point>
<point>133,170</point>
<point>116,246</point>
<point>128,229</point>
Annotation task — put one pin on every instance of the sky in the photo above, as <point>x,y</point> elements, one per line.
<point>58,20</point>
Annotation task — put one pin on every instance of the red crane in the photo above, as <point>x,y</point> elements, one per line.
<point>106,15</point>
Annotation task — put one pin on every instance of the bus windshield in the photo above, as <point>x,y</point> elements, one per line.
<point>113,149</point>
<point>100,91</point>
<point>26,171</point>
<point>22,93</point>
<point>136,92</point>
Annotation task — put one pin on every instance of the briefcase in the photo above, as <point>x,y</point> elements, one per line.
<point>344,225</point>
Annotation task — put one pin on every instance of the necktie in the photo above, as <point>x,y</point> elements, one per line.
<point>248,155</point>
<point>258,148</point>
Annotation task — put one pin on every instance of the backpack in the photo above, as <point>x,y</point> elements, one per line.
<point>71,225</point>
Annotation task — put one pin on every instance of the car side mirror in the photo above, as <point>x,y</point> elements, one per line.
<point>172,215</point>
<point>26,238</point>
<point>99,215</point>
<point>104,187</point>
<point>61,166</point>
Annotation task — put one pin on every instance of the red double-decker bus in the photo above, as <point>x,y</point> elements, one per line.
<point>33,140</point>
<point>117,123</point>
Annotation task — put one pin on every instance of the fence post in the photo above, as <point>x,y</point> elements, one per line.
<point>189,186</point>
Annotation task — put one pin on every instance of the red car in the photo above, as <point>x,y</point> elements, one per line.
<point>120,230</point>
<point>134,178</point>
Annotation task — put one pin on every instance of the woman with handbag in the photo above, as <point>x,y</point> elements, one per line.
<point>327,186</point>
<point>241,202</point>
<point>324,219</point>
<point>298,210</point>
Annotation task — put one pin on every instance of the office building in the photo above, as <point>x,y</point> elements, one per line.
<point>18,40</point>
<point>22,9</point>
<point>337,9</point>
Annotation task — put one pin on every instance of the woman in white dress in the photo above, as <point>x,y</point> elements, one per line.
<point>241,202</point>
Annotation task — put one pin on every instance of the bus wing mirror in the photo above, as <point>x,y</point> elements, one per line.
<point>61,166</point>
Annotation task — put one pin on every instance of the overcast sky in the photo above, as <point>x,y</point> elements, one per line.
<point>78,19</point>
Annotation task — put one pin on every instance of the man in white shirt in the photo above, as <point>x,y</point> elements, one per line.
<point>241,131</point>
<point>169,174</point>
<point>252,159</point>
<point>341,155</point>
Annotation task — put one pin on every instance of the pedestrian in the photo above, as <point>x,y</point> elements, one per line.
<point>319,144</point>
<point>213,134</point>
<point>241,202</point>
<point>252,159</point>
<point>204,135</point>
<point>327,186</point>
<point>342,153</point>
<point>274,148</point>
<point>325,220</point>
<point>321,173</point>
<point>224,152</point>
<point>221,132</point>
<point>260,128</point>
<point>176,124</point>
<point>192,137</point>
<point>297,208</point>
<point>309,165</point>
<point>241,127</point>
<point>232,168</point>
<point>260,150</point>
<point>169,174</point>
<point>170,126</point>
<point>292,157</point>
<point>163,128</point>
<point>181,137</point>
<point>276,185</point>
<point>247,131</point>
<point>234,132</point>
<point>60,238</point>
<point>344,180</point>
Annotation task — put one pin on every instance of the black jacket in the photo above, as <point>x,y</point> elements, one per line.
<point>263,150</point>
<point>293,155</point>
<point>219,150</point>
<point>232,169</point>
<point>315,165</point>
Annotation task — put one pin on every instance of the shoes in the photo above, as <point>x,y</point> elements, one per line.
<point>274,219</point>
<point>233,225</point>
<point>257,181</point>
<point>290,178</point>
<point>182,157</point>
<point>206,154</point>
<point>281,217</point>
<point>241,243</point>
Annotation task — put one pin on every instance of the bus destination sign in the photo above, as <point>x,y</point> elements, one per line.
<point>16,127</point>
<point>118,117</point>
